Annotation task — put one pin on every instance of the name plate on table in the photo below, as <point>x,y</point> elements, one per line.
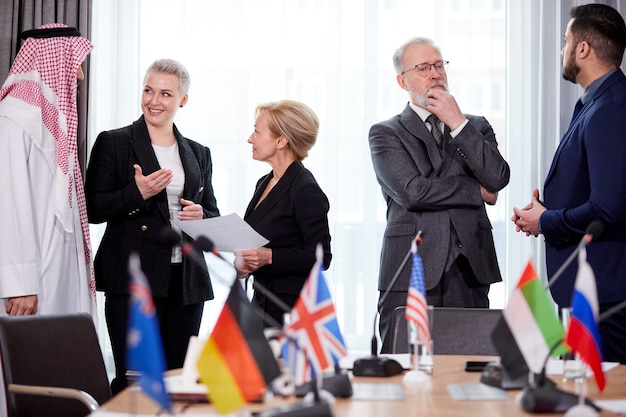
<point>377,392</point>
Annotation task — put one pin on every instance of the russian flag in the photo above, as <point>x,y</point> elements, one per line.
<point>583,335</point>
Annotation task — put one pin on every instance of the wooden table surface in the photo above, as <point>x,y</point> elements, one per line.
<point>427,399</point>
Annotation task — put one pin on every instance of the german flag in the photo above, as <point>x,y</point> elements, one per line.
<point>236,363</point>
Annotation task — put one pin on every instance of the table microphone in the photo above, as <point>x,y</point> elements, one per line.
<point>379,365</point>
<point>543,396</point>
<point>593,231</point>
<point>171,237</point>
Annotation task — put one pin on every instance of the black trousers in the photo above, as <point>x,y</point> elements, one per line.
<point>177,323</point>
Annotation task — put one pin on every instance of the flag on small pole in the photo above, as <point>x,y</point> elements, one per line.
<point>144,346</point>
<point>314,328</point>
<point>237,362</point>
<point>416,306</point>
<point>583,334</point>
<point>529,330</point>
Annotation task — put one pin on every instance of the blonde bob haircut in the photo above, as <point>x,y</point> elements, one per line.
<point>293,120</point>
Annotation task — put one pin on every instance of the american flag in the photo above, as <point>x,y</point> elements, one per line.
<point>313,328</point>
<point>416,307</point>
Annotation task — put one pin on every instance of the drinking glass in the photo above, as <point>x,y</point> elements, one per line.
<point>421,356</point>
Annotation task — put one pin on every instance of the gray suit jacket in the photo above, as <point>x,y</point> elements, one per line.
<point>429,190</point>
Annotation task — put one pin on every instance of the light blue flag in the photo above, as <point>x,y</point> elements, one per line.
<point>145,349</point>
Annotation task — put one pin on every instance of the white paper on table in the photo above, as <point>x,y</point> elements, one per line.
<point>228,233</point>
<point>614,406</point>
<point>555,367</point>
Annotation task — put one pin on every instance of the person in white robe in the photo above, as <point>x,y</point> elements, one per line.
<point>45,251</point>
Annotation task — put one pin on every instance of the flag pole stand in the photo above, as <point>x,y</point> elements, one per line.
<point>314,404</point>
<point>418,374</point>
<point>318,393</point>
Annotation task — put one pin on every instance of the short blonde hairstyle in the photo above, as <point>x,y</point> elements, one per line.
<point>293,120</point>
<point>171,67</point>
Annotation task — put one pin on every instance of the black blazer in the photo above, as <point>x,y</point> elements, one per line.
<point>134,224</point>
<point>293,217</point>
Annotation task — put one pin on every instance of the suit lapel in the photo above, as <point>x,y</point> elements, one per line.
<point>193,171</point>
<point>253,215</point>
<point>618,76</point>
<point>567,136</point>
<point>146,158</point>
<point>416,127</point>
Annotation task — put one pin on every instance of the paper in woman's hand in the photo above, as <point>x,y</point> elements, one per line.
<point>228,233</point>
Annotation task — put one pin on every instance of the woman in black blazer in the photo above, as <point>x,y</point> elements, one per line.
<point>288,207</point>
<point>139,178</point>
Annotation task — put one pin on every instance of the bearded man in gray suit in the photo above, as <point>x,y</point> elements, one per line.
<point>436,176</point>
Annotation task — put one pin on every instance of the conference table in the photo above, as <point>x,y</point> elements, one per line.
<point>422,399</point>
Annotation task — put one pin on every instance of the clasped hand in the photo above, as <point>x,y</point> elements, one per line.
<point>526,219</point>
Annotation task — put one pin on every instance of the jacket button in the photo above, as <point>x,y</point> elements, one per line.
<point>201,189</point>
<point>144,228</point>
<point>459,245</point>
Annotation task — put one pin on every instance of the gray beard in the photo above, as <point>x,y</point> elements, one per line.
<point>422,100</point>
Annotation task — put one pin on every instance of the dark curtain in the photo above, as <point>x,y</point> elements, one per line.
<point>17,16</point>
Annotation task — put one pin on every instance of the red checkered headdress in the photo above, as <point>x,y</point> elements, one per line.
<point>40,95</point>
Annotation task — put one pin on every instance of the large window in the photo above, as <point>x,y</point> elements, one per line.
<point>333,55</point>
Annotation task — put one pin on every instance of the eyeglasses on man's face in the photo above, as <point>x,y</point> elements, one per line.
<point>423,69</point>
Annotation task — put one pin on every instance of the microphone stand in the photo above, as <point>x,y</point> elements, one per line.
<point>608,313</point>
<point>593,231</point>
<point>541,395</point>
<point>379,365</point>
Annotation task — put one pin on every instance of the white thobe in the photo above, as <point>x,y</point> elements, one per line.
<point>37,256</point>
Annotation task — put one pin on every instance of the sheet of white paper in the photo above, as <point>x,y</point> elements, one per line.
<point>614,406</point>
<point>229,233</point>
<point>377,392</point>
<point>476,392</point>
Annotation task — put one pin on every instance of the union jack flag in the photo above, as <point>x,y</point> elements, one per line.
<point>314,342</point>
<point>416,306</point>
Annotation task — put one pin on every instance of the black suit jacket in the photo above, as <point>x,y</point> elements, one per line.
<point>429,190</point>
<point>293,217</point>
<point>136,225</point>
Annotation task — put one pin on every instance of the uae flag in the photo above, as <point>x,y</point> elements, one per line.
<point>237,362</point>
<point>529,331</point>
